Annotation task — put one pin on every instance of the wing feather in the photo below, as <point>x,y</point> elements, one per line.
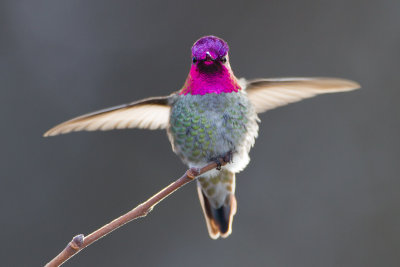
<point>266,94</point>
<point>151,113</point>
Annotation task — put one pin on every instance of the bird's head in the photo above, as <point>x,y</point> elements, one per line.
<point>210,71</point>
<point>210,50</point>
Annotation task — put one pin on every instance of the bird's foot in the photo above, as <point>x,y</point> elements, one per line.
<point>228,158</point>
<point>219,164</point>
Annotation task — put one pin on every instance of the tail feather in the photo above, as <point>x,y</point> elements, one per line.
<point>218,219</point>
<point>211,224</point>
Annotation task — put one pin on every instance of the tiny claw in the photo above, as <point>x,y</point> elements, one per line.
<point>218,164</point>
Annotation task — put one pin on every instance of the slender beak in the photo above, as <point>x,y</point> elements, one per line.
<point>209,57</point>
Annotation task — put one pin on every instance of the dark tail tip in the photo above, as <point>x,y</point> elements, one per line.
<point>222,218</point>
<point>219,220</point>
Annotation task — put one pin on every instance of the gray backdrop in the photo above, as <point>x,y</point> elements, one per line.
<point>322,188</point>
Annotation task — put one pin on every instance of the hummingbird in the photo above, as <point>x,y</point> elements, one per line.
<point>214,115</point>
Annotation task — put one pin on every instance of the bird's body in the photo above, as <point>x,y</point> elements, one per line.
<point>203,128</point>
<point>214,115</point>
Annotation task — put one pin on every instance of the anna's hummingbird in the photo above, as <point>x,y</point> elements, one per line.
<point>214,115</point>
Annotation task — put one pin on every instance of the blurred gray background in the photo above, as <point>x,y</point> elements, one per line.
<point>323,185</point>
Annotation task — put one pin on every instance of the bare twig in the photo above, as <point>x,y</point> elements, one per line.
<point>79,242</point>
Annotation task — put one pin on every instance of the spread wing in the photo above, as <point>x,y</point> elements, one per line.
<point>151,113</point>
<point>266,94</point>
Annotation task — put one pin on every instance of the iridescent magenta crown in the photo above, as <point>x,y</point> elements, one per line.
<point>217,47</point>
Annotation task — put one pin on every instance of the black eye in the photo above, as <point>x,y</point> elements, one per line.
<point>194,60</point>
<point>223,60</point>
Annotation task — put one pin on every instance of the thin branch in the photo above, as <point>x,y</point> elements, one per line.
<point>79,242</point>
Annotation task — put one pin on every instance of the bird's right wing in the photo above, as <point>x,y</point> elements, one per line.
<point>266,94</point>
<point>151,113</point>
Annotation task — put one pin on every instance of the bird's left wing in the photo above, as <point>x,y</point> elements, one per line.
<point>151,113</point>
<point>266,94</point>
